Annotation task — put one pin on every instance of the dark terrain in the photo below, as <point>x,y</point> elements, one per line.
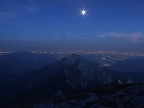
<point>73,81</point>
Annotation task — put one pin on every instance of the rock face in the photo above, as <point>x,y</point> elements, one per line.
<point>73,71</point>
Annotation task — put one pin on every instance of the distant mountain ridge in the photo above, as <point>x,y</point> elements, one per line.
<point>22,62</point>
<point>77,72</point>
<point>74,71</point>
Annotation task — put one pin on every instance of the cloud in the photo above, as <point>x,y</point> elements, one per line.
<point>133,37</point>
<point>136,37</point>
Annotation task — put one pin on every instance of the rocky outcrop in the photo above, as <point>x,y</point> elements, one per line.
<point>126,96</point>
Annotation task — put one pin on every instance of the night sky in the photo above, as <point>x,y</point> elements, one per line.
<point>59,25</point>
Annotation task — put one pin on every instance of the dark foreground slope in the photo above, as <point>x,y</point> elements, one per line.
<point>112,96</point>
<point>108,96</point>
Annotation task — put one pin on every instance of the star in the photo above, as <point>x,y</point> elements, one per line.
<point>83,12</point>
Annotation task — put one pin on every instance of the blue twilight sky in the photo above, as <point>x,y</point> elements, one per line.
<point>58,25</point>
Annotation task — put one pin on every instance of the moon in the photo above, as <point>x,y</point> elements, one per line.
<point>83,12</point>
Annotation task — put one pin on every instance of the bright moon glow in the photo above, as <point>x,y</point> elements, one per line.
<point>83,12</point>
